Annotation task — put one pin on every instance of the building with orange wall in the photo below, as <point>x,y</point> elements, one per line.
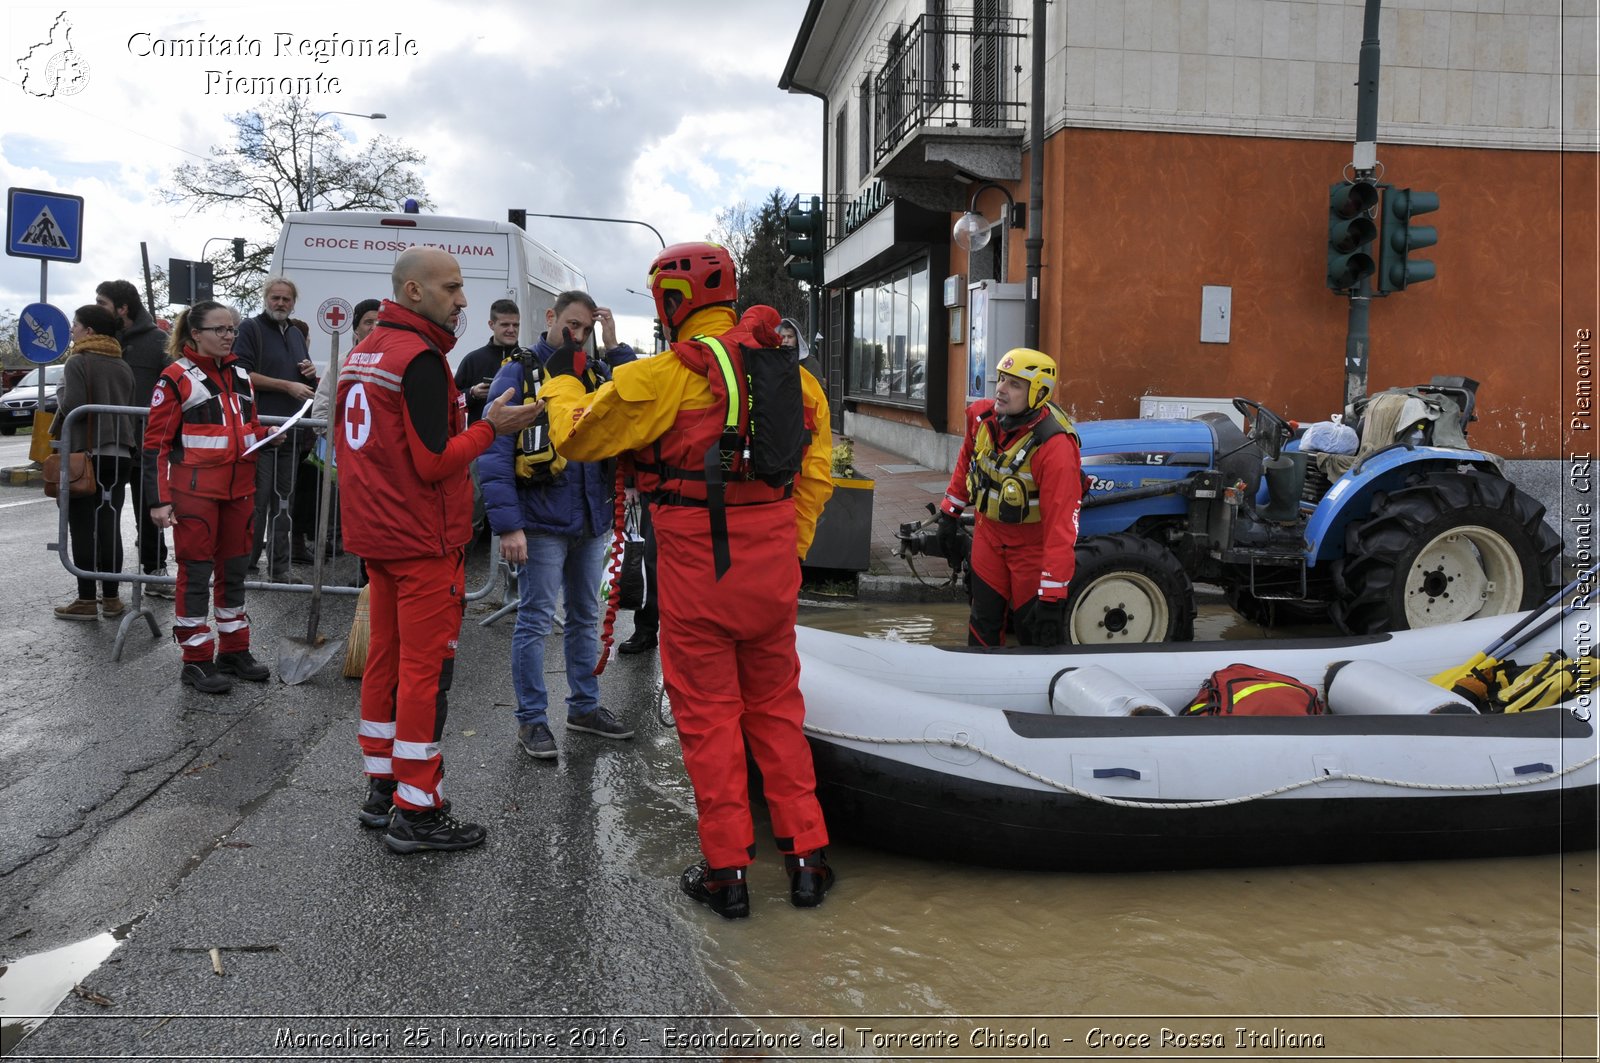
<point>1189,147</point>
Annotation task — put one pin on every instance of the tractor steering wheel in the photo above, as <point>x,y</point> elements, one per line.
<point>1264,427</point>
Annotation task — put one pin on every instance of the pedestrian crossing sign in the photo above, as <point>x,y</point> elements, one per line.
<point>46,225</point>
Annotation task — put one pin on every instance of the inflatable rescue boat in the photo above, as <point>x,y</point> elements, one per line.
<point>1082,759</point>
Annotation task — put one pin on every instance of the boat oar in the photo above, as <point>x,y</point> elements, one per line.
<point>299,660</point>
<point>1471,679</point>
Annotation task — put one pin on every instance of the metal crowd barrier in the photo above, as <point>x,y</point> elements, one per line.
<point>137,579</point>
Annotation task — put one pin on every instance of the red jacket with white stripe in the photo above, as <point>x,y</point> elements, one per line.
<point>202,419</point>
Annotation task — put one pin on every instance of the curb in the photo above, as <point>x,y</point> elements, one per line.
<point>22,475</point>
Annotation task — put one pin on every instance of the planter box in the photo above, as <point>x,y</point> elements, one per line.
<point>844,529</point>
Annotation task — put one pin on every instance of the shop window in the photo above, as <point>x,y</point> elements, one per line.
<point>889,337</point>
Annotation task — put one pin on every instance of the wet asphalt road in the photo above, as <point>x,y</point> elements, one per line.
<point>229,823</point>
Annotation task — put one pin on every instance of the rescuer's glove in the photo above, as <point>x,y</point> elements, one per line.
<point>569,359</point>
<point>1048,621</point>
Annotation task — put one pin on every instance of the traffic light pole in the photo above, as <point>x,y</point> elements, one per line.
<point>1364,162</point>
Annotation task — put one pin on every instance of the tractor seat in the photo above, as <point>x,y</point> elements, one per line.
<point>1238,457</point>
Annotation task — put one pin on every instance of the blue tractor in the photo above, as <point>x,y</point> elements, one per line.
<point>1415,529</point>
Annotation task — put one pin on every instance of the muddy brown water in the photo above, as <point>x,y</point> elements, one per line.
<point>1436,960</point>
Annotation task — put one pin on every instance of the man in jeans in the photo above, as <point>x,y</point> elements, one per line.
<point>554,518</point>
<point>274,353</point>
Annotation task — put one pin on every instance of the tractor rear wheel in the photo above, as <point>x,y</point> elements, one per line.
<point>1445,548</point>
<point>1128,589</point>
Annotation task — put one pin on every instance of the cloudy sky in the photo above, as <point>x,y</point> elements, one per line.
<point>619,108</point>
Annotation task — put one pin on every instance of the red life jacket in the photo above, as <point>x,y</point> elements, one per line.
<point>389,510</point>
<point>216,425</point>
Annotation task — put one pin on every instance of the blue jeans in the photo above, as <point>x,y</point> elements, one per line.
<point>556,563</point>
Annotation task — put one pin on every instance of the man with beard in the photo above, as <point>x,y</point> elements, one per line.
<point>274,353</point>
<point>403,447</point>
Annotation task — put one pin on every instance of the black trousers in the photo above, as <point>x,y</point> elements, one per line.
<point>94,525</point>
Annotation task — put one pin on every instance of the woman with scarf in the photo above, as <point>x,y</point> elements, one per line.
<point>96,374</point>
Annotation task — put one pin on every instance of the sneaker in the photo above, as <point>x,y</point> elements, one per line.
<point>204,677</point>
<point>380,802</point>
<point>242,665</point>
<point>160,590</point>
<point>112,607</point>
<point>722,889</point>
<point>638,642</point>
<point>599,722</point>
<point>537,741</point>
<point>810,877</point>
<point>82,609</point>
<point>431,828</point>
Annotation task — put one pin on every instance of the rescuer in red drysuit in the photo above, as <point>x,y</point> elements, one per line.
<point>727,561</point>
<point>1020,470</point>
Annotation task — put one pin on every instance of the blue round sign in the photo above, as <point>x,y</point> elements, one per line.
<point>43,333</point>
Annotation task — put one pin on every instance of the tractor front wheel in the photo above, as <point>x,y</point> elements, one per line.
<point>1128,589</point>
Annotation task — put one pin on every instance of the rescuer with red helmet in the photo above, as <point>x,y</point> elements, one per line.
<point>733,511</point>
<point>1019,468</point>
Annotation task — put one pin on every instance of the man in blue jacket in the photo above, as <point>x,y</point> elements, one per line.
<point>554,518</point>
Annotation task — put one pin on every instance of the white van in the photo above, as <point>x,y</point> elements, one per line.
<point>348,255</point>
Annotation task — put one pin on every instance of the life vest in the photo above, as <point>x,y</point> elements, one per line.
<point>536,459</point>
<point>1000,482</point>
<point>216,425</point>
<point>715,456</point>
<point>389,510</point>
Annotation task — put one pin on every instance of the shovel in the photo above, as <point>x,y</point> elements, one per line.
<point>299,660</point>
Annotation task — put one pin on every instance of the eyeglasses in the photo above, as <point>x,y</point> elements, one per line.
<point>221,330</point>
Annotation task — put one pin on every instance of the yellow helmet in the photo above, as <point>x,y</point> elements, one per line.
<point>1036,367</point>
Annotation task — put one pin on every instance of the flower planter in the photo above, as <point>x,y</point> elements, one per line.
<point>844,528</point>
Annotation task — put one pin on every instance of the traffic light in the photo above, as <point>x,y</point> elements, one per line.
<point>1401,238</point>
<point>804,244</point>
<point>238,249</point>
<point>517,216</point>
<point>1350,230</point>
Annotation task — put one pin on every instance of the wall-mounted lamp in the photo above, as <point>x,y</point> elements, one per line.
<point>971,231</point>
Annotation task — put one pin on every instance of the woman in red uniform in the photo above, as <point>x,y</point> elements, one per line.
<point>200,482</point>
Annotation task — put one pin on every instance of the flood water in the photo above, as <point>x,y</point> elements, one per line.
<point>1437,960</point>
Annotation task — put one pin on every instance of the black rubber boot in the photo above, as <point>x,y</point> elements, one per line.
<point>810,878</point>
<point>722,889</point>
<point>434,828</point>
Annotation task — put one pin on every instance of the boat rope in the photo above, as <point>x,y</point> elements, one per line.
<point>1329,775</point>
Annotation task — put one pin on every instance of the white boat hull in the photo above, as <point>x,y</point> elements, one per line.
<point>958,755</point>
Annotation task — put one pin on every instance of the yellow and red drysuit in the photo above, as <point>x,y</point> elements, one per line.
<point>202,420</point>
<point>1022,547</point>
<point>727,644</point>
<point>405,499</point>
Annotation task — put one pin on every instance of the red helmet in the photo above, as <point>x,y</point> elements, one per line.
<point>687,277</point>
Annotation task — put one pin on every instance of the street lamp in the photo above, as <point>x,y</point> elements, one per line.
<point>311,151</point>
<point>519,217</point>
<point>971,231</point>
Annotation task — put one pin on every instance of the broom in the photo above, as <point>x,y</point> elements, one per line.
<point>355,647</point>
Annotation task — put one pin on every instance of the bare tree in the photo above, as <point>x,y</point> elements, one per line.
<point>267,172</point>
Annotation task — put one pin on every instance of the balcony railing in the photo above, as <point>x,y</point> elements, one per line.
<point>951,71</point>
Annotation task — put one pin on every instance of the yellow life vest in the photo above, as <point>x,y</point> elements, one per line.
<point>1000,482</point>
<point>536,458</point>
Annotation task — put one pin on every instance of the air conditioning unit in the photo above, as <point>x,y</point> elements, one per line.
<point>1182,406</point>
